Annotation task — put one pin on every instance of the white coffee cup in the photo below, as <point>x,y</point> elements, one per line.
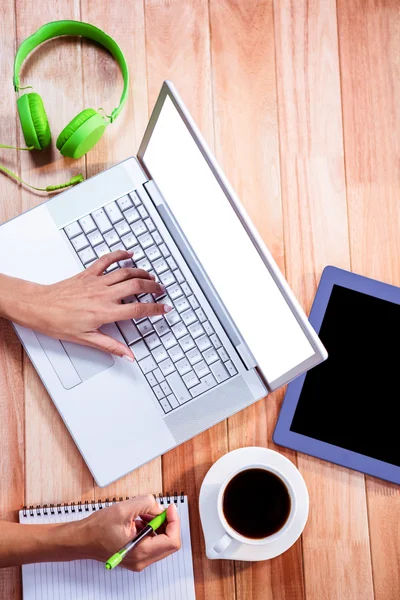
<point>224,542</point>
<point>231,534</point>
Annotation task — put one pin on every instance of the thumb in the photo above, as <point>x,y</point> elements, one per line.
<point>104,342</point>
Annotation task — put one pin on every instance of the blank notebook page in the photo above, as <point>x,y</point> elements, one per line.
<point>168,579</point>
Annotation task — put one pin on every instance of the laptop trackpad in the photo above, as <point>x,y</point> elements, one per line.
<point>74,363</point>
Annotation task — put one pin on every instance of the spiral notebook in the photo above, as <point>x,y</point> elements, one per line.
<point>169,579</point>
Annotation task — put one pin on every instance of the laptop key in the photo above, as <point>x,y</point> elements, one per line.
<point>135,198</point>
<point>169,340</point>
<point>186,289</point>
<point>142,211</point>
<point>193,302</point>
<point>223,354</point>
<point>198,389</point>
<point>127,262</point>
<point>187,343</point>
<point>200,315</point>
<point>165,388</point>
<point>210,355</point>
<point>203,343</point>
<point>122,228</point>
<point>167,367</point>
<point>161,327</point>
<point>230,368</point>
<point>207,326</point>
<point>146,299</point>
<point>182,304</point>
<point>201,369</point>
<point>172,263</point>
<point>179,277</point>
<point>196,330</point>
<point>101,220</point>
<point>111,237</point>
<point>153,253</point>
<point>87,224</point>
<point>164,250</point>
<point>140,350</point>
<point>167,278</point>
<point>160,353</point>
<point>73,229</point>
<point>95,237</point>
<point>176,353</point>
<point>131,215</point>
<point>138,253</point>
<point>158,375</point>
<point>209,381</point>
<point>102,249</point>
<point>165,405</point>
<point>173,317</point>
<point>179,330</point>
<point>216,341</point>
<point>147,364</point>
<point>129,331</point>
<point>145,327</point>
<point>190,379</point>
<point>144,264</point>
<point>113,212</point>
<point>124,203</point>
<point>87,255</point>
<point>157,237</point>
<point>219,371</point>
<point>79,242</point>
<point>150,225</point>
<point>129,240</point>
<point>146,241</point>
<point>194,356</point>
<point>178,387</point>
<point>174,290</point>
<point>158,392</point>
<point>183,366</point>
<point>138,227</point>
<point>188,317</point>
<point>151,379</point>
<point>153,341</point>
<point>173,401</point>
<point>160,266</point>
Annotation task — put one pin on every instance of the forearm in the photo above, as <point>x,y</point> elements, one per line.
<point>23,544</point>
<point>18,299</point>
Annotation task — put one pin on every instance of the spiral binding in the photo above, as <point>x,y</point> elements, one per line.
<point>93,505</point>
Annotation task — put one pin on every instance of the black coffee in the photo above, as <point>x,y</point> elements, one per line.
<point>256,503</point>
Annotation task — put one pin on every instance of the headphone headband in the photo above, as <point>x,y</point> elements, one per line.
<point>74,28</point>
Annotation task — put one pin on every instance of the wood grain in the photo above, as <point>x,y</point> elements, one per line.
<point>300,100</point>
<point>178,48</point>
<point>56,469</point>
<point>316,233</point>
<point>247,147</point>
<point>103,85</point>
<point>369,57</point>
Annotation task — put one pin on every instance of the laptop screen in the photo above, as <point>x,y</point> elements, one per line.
<point>223,246</point>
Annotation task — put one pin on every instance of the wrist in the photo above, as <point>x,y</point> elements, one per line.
<point>19,300</point>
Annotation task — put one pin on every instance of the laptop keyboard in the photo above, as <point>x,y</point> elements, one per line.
<point>179,353</point>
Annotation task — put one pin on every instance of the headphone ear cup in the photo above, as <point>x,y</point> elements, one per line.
<point>34,123</point>
<point>81,134</point>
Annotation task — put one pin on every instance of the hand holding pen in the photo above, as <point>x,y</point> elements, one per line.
<point>109,530</point>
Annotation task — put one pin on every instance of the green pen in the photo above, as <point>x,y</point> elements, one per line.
<point>150,527</point>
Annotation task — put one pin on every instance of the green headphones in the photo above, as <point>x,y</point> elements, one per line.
<point>87,128</point>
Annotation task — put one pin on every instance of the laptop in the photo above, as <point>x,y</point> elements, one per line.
<point>235,334</point>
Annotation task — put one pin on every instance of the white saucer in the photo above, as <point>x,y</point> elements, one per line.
<point>212,528</point>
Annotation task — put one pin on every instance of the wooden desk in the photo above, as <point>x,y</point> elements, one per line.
<point>300,100</point>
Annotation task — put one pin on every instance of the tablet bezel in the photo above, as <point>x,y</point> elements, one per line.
<point>282,434</point>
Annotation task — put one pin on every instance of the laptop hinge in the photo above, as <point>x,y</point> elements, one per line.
<point>199,273</point>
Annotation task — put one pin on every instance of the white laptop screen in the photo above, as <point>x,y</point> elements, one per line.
<point>223,246</point>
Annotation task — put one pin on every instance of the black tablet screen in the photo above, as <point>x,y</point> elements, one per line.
<point>352,400</point>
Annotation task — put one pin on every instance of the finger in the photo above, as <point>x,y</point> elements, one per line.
<point>104,342</point>
<point>126,273</point>
<point>140,505</point>
<point>153,548</point>
<point>136,286</point>
<point>138,310</point>
<point>107,260</point>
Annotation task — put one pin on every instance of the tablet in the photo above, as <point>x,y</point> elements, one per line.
<point>346,410</point>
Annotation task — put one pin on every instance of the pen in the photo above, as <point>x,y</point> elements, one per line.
<point>150,527</point>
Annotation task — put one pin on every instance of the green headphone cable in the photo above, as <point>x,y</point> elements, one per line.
<point>50,188</point>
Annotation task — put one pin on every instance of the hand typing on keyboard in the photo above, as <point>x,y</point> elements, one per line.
<point>75,309</point>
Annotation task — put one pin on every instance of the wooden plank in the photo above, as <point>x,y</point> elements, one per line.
<point>369,50</point>
<point>12,408</point>
<point>247,147</point>
<point>103,86</point>
<point>335,541</point>
<point>56,472</point>
<point>178,48</point>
